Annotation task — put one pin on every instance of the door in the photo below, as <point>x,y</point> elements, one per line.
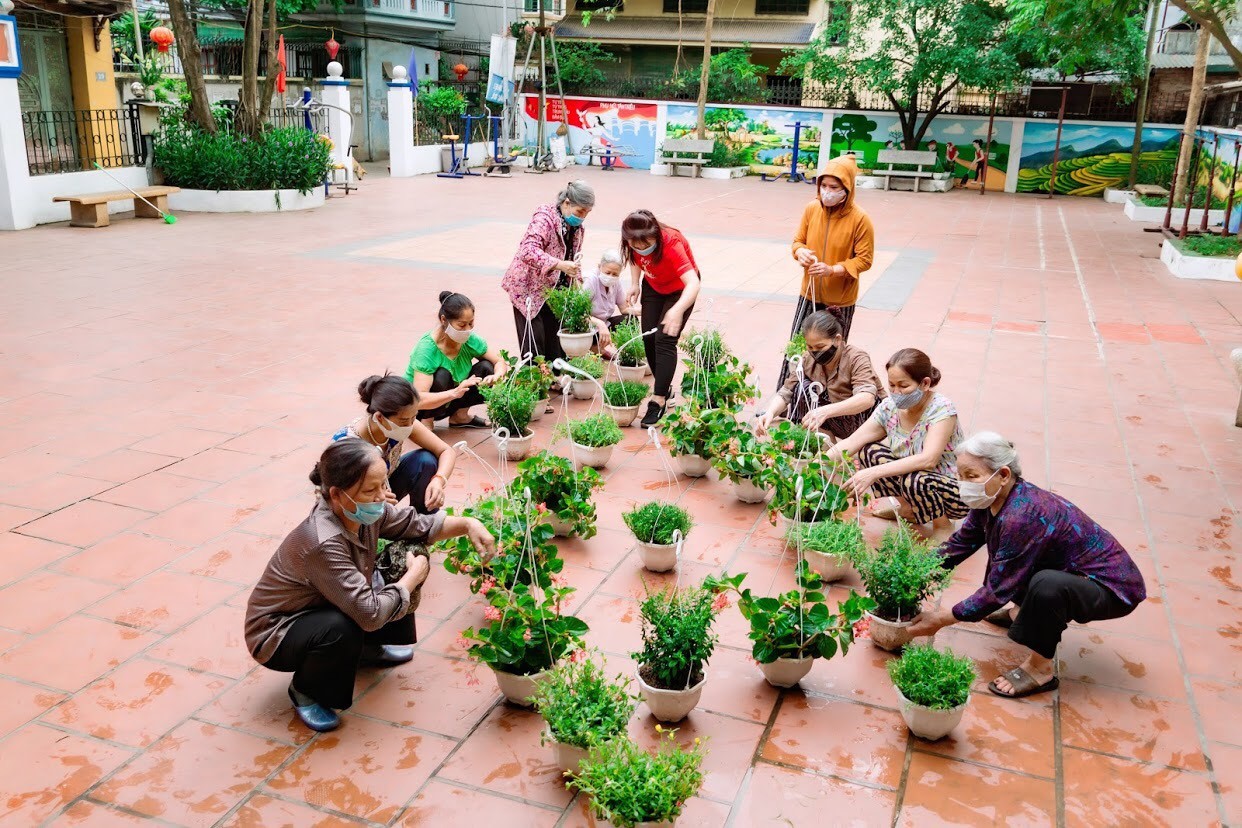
<point>47,102</point>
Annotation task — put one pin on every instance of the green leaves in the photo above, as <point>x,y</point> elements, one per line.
<point>510,406</point>
<point>939,679</point>
<point>552,481</point>
<point>627,785</point>
<point>677,637</point>
<point>629,341</point>
<point>572,306</point>
<point>901,573</point>
<point>581,706</point>
<point>625,393</point>
<point>594,431</point>
<point>657,522</point>
<point>285,158</point>
<point>590,364</point>
<point>832,537</point>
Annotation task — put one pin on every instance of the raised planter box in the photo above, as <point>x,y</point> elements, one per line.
<point>926,185</point>
<point>1138,211</point>
<point>724,173</point>
<point>244,201</point>
<point>660,169</point>
<point>1112,196</point>
<point>1186,266</point>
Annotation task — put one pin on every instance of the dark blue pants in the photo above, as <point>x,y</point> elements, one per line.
<point>412,475</point>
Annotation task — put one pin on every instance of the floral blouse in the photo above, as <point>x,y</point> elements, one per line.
<point>532,272</point>
<point>909,443</point>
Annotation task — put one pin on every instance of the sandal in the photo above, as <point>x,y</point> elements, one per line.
<point>1003,617</point>
<point>1023,685</point>
<point>886,513</point>
<point>474,422</point>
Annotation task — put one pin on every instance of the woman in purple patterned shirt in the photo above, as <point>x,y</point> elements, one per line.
<point>1045,556</point>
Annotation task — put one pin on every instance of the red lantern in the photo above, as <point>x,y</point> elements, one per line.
<point>162,37</point>
<point>332,47</point>
<point>460,70</point>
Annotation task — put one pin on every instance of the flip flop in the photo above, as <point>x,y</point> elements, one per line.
<point>889,513</point>
<point>1001,618</point>
<point>1023,685</point>
<point>474,422</point>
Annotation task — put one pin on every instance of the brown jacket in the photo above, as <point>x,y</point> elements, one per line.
<point>836,235</point>
<point>849,372</point>
<point>322,564</point>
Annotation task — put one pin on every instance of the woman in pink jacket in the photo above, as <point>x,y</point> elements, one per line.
<point>545,259</point>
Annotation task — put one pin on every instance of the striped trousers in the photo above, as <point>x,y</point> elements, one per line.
<point>930,494</point>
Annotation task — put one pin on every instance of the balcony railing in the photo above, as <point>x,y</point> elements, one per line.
<point>304,61</point>
<point>441,10</point>
<point>74,140</point>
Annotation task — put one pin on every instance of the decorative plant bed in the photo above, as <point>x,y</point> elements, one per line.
<point>1189,266</point>
<point>1116,196</point>
<point>244,201</point>
<point>1138,211</point>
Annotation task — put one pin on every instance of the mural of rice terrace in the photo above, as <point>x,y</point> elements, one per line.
<point>759,138</point>
<point>1093,157</point>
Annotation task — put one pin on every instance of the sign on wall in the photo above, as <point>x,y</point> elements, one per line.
<point>602,123</point>
<point>10,49</point>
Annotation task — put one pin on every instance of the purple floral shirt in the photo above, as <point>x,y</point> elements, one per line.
<point>1038,530</point>
<point>531,274</point>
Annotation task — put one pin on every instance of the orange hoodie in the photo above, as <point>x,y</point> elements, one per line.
<point>836,235</point>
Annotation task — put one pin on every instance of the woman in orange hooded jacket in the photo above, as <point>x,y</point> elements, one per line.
<point>834,245</point>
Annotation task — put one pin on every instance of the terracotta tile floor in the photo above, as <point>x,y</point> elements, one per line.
<point>164,390</point>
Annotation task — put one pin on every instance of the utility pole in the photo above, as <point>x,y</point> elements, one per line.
<point>1140,113</point>
<point>707,66</point>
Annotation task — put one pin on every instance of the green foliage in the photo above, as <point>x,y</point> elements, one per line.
<point>554,484</point>
<point>525,553</point>
<point>1224,246</point>
<point>704,345</point>
<point>723,385</point>
<point>688,428</point>
<point>627,785</point>
<point>798,623</point>
<point>285,158</point>
<point>820,498</point>
<point>939,679</point>
<point>739,455</point>
<point>1050,34</point>
<point>592,364</point>
<point>572,306</point>
<point>625,393</point>
<point>536,375</point>
<point>284,8</point>
<point>657,522</point>
<point>677,636</point>
<point>580,62</point>
<point>791,440</point>
<point>595,431</point>
<point>831,537</point>
<point>728,154</point>
<point>731,78</point>
<point>526,633</point>
<point>122,27</point>
<point>444,104</point>
<point>852,127</point>
<point>902,573</point>
<point>629,341</point>
<point>509,406</point>
<point>796,346</point>
<point>581,706</point>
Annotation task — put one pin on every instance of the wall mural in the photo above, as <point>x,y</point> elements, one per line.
<point>1093,157</point>
<point>760,138</point>
<point>629,126</point>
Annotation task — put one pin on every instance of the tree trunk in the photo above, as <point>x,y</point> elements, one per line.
<point>1197,81</point>
<point>192,65</point>
<point>273,68</point>
<point>247,122</point>
<point>1140,114</point>
<point>707,67</point>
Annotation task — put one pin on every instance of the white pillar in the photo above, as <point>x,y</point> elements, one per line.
<point>15,207</point>
<point>400,125</point>
<point>335,95</point>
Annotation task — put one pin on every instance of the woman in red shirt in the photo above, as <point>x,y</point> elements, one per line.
<point>668,288</point>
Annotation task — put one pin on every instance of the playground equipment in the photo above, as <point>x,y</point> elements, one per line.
<point>308,106</point>
<point>460,167</point>
<point>794,175</point>
<point>496,165</point>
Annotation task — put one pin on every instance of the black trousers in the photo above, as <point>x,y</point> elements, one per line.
<point>1053,599</point>
<point>442,380</point>
<point>806,307</point>
<point>660,348</point>
<point>540,339</point>
<point>322,650</point>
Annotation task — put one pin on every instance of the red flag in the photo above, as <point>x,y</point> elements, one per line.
<point>280,59</point>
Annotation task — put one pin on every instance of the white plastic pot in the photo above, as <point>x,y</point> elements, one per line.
<point>889,635</point>
<point>748,492</point>
<point>561,528</point>
<point>622,415</point>
<point>596,458</point>
<point>516,448</point>
<point>786,672</point>
<point>657,557</point>
<point>829,567</point>
<point>566,756</point>
<point>671,705</point>
<point>665,823</point>
<point>692,465</point>
<point>583,389</point>
<point>632,373</point>
<point>576,344</point>
<point>541,406</point>
<point>928,722</point>
<point>517,689</point>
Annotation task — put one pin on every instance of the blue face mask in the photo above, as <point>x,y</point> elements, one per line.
<point>908,401</point>
<point>572,220</point>
<point>365,513</point>
<point>646,251</point>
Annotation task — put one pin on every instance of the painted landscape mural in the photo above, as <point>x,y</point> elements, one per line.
<point>757,137</point>
<point>1093,157</point>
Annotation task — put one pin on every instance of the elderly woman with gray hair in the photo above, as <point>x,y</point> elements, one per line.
<point>1045,556</point>
<point>547,258</point>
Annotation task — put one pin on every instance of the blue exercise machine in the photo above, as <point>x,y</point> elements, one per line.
<point>794,176</point>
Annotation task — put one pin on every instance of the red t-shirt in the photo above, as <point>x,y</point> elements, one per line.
<point>664,276</point>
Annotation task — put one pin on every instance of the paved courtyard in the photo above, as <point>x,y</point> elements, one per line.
<point>164,391</point>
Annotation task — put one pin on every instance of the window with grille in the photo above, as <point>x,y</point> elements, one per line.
<point>782,6</point>
<point>687,6</point>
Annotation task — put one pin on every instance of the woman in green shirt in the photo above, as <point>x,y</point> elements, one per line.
<point>449,363</point>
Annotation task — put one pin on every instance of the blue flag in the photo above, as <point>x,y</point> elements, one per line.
<point>412,68</point>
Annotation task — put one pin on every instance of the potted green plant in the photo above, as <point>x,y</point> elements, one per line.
<point>723,385</point>
<point>793,629</point>
<point>656,526</point>
<point>631,788</point>
<point>705,347</point>
<point>622,399</point>
<point>796,346</point>
<point>510,406</point>
<point>524,550</point>
<point>688,428</point>
<point>807,495</point>
<point>792,446</point>
<point>572,306</point>
<point>677,642</point>
<point>933,687</point>
<point>593,439</point>
<point>899,575</point>
<point>631,356</point>
<point>582,708</point>
<point>827,546</point>
<point>741,458</point>
<point>538,377</point>
<point>565,493</point>
<point>593,366</point>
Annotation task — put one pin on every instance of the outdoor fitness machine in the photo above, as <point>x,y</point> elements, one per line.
<point>795,177</point>
<point>460,166</point>
<point>498,166</point>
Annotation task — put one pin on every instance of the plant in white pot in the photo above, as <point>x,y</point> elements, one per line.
<point>933,687</point>
<point>510,406</point>
<point>593,438</point>
<point>631,358</point>
<point>567,494</point>
<point>538,377</point>
<point>593,366</point>
<point>582,708</point>
<point>828,546</point>
<point>657,526</point>
<point>791,446</point>
<point>622,399</point>
<point>806,495</point>
<point>793,629</point>
<point>632,788</point>
<point>572,306</point>
<point>677,642</point>
<point>899,575</point>
<point>688,429</point>
<point>740,458</point>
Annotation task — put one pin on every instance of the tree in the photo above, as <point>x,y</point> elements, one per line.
<point>706,70</point>
<point>1050,37</point>
<point>852,127</point>
<point>1197,82</point>
<point>199,111</point>
<point>580,62</point>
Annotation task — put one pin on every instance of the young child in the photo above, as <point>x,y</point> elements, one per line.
<point>608,302</point>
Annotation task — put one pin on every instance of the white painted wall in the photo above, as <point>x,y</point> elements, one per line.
<point>42,188</point>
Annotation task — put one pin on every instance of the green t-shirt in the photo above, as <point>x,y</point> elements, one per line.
<point>427,357</point>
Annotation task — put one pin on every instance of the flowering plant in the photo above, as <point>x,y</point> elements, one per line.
<point>820,498</point>
<point>722,385</point>
<point>525,553</point>
<point>536,375</point>
<point>798,623</point>
<point>739,455</point>
<point>677,636</point>
<point>790,441</point>
<point>689,429</point>
<point>526,632</point>
<point>627,785</point>
<point>706,346</point>
<point>565,493</point>
<point>581,706</point>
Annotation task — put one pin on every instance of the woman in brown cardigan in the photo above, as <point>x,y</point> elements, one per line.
<point>320,608</point>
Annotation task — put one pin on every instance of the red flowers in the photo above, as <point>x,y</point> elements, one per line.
<point>721,602</point>
<point>542,508</point>
<point>578,656</point>
<point>491,614</point>
<point>487,584</point>
<point>526,635</point>
<point>862,628</point>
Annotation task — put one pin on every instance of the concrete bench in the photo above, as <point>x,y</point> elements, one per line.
<point>917,158</point>
<point>1150,190</point>
<point>686,146</point>
<point>91,210</point>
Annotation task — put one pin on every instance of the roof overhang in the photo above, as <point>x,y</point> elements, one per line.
<point>75,8</point>
<point>662,31</point>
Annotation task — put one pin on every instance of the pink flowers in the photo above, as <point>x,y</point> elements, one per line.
<point>472,680</point>
<point>542,508</point>
<point>491,614</point>
<point>862,628</point>
<point>559,580</point>
<point>487,487</point>
<point>526,635</point>
<point>721,602</point>
<point>462,643</point>
<point>487,584</point>
<point>578,656</point>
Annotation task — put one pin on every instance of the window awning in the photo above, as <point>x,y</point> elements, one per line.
<point>664,30</point>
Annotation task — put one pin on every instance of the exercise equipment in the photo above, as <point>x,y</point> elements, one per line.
<point>793,176</point>
<point>460,166</point>
<point>497,166</point>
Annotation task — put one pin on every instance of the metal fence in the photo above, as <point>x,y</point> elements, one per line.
<point>75,140</point>
<point>302,60</point>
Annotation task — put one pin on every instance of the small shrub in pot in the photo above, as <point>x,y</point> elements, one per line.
<point>629,786</point>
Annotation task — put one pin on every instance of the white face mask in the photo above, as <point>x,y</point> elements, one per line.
<point>457,335</point>
<point>831,198</point>
<point>975,495</point>
<point>606,280</point>
<point>393,431</point>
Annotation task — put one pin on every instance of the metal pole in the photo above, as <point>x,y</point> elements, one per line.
<point>542,129</point>
<point>1177,168</point>
<point>1207,203</point>
<point>137,30</point>
<point>1191,179</point>
<point>987,149</point>
<point>1056,150</point>
<point>1140,113</point>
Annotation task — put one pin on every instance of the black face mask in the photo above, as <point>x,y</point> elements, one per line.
<point>825,356</point>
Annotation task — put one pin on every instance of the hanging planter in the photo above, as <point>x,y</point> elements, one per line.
<point>575,344</point>
<point>565,494</point>
<point>572,306</point>
<point>514,448</point>
<point>828,546</point>
<point>595,457</point>
<point>677,643</point>
<point>692,465</point>
<point>518,689</point>
<point>560,528</point>
<point>658,557</point>
<point>622,399</point>
<point>657,526</point>
<point>622,415</point>
<point>632,373</point>
<point>671,705</point>
<point>593,439</point>
<point>786,672</point>
<point>582,707</point>
<point>889,635</point>
<point>624,785</point>
<point>581,387</point>
<point>748,492</point>
<point>541,408</point>
<point>510,407</point>
<point>899,575</point>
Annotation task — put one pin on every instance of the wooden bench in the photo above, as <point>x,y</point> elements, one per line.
<point>91,210</point>
<point>1150,190</point>
<point>608,155</point>
<point>686,146</point>
<point>917,158</point>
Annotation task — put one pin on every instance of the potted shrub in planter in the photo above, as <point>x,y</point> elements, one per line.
<point>791,446</point>
<point>819,499</point>
<point>538,377</point>
<point>933,687</point>
<point>720,385</point>
<point>902,573</point>
<point>791,630</point>
<point>622,399</point>
<point>677,642</point>
<point>688,430</point>
<point>655,526</point>
<point>631,788</point>
<point>572,305</point>
<point>593,439</point>
<point>828,546</point>
<point>525,553</point>
<point>631,356</point>
<point>510,406</point>
<point>564,492</point>
<point>582,708</point>
<point>739,456</point>
<point>592,365</point>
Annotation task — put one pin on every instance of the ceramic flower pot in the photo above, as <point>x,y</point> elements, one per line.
<point>786,672</point>
<point>657,557</point>
<point>596,457</point>
<point>576,344</point>
<point>664,823</point>
<point>541,406</point>
<point>622,415</point>
<point>566,756</point>
<point>516,448</point>
<point>670,705</point>
<point>561,528</point>
<point>692,465</point>
<point>786,523</point>
<point>748,492</point>
<point>517,689</point>
<point>583,389</point>
<point>889,635</point>
<point>928,722</point>
<point>829,567</point>
<point>631,373</point>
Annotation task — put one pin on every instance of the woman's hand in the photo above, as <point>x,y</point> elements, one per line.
<point>930,622</point>
<point>464,386</point>
<point>482,539</point>
<point>631,299</point>
<point>389,497</point>
<point>417,568</point>
<point>815,417</point>
<point>571,269</point>
<point>861,481</point>
<point>805,257</point>
<point>765,422</point>
<point>671,323</point>
<point>819,269</point>
<point>601,328</point>
<point>435,493</point>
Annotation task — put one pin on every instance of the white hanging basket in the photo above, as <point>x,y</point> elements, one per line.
<point>671,705</point>
<point>692,465</point>
<point>657,557</point>
<point>596,457</point>
<point>748,492</point>
<point>515,448</point>
<point>889,635</point>
<point>517,689</point>
<point>583,389</point>
<point>632,373</point>
<point>622,415</point>
<point>576,344</point>
<point>786,672</point>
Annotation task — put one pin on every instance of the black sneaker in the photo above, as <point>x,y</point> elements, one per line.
<point>654,412</point>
